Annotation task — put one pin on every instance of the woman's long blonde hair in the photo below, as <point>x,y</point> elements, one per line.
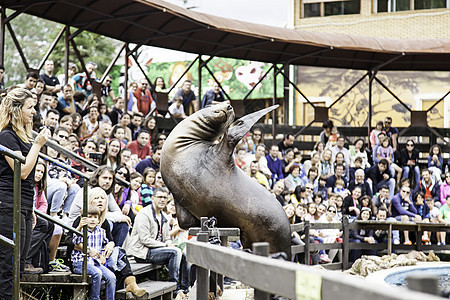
<point>94,193</point>
<point>11,112</point>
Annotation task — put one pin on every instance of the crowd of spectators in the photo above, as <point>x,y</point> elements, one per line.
<point>120,135</point>
<point>375,182</point>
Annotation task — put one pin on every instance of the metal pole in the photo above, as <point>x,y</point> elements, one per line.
<point>85,236</point>
<point>50,50</point>
<point>184,73</point>
<point>113,62</point>
<point>19,49</point>
<point>66,54</point>
<point>369,123</point>
<point>274,102</point>
<point>150,84</point>
<point>202,274</point>
<point>125,81</point>
<point>2,36</point>
<point>286,94</point>
<point>16,228</point>
<point>200,65</point>
<point>261,249</point>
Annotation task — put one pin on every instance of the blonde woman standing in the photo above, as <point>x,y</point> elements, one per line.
<point>16,121</point>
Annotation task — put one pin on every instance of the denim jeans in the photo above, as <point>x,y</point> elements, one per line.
<point>176,263</point>
<point>56,192</point>
<point>98,272</point>
<point>6,253</point>
<point>406,170</point>
<point>119,231</point>
<point>71,193</point>
<point>56,195</point>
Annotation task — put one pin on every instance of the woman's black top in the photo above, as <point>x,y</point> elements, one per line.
<point>11,140</point>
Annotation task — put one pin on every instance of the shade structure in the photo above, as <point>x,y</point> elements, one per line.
<point>161,24</point>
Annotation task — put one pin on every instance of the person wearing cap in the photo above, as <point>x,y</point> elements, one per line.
<point>81,79</point>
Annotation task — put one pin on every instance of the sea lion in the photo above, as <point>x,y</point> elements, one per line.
<point>205,182</point>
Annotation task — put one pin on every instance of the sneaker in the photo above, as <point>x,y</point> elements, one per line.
<point>443,243</point>
<point>425,238</point>
<point>58,266</point>
<point>324,258</point>
<point>407,243</point>
<point>396,242</point>
<point>30,269</point>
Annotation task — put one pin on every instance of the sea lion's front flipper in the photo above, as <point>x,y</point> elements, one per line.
<point>241,126</point>
<point>185,218</point>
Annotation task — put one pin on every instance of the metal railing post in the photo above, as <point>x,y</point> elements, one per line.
<point>16,228</point>
<point>85,210</point>
<point>202,274</point>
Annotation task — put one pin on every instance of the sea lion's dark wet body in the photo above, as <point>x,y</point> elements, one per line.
<point>206,182</point>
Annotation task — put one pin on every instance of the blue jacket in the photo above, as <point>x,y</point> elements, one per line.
<point>401,207</point>
<point>275,166</point>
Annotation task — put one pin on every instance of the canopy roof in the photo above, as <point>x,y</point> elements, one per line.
<point>161,24</point>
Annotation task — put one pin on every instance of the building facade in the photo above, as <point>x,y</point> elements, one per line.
<point>397,19</point>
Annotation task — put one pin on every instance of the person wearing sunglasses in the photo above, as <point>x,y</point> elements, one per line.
<point>330,235</point>
<point>107,90</point>
<point>391,132</point>
<point>403,209</point>
<point>408,158</point>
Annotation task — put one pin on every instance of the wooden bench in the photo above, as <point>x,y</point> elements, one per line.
<point>161,290</point>
<point>142,268</point>
<point>59,278</point>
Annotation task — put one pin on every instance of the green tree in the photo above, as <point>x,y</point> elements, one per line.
<point>35,35</point>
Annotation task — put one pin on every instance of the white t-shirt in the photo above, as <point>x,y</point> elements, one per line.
<point>174,110</point>
<point>90,127</point>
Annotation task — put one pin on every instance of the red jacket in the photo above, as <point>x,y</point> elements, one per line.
<point>143,101</point>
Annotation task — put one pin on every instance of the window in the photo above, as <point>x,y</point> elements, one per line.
<point>429,4</point>
<point>311,10</point>
<point>400,5</point>
<point>341,8</point>
<point>393,5</point>
<point>317,8</point>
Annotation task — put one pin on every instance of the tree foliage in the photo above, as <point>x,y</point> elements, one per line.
<point>35,36</point>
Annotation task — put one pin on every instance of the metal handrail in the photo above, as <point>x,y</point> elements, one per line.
<point>63,165</point>
<point>57,222</point>
<point>12,154</point>
<point>81,160</point>
<point>91,166</point>
<point>85,204</point>
<point>18,161</point>
<point>84,214</point>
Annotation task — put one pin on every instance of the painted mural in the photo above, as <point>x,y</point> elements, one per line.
<point>237,77</point>
<point>418,90</point>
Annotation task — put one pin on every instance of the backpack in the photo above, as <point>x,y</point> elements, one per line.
<point>41,259</point>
